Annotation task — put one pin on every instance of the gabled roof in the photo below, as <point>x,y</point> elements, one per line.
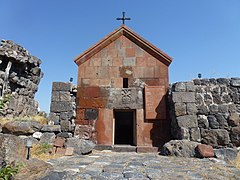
<point>134,37</point>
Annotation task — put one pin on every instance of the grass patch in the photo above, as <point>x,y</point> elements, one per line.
<point>43,152</point>
<point>42,149</point>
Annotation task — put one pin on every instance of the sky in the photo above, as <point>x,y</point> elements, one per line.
<point>202,36</point>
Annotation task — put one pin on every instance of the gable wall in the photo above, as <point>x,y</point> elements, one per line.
<point>108,67</point>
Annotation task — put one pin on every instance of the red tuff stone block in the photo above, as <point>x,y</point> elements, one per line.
<point>92,92</point>
<point>60,151</point>
<point>205,150</point>
<point>130,52</point>
<point>117,62</point>
<point>81,122</point>
<point>114,71</point>
<point>93,102</point>
<point>69,151</point>
<point>97,62</point>
<point>141,61</point>
<point>80,113</point>
<point>59,142</point>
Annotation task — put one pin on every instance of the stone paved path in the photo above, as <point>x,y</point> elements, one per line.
<point>112,165</point>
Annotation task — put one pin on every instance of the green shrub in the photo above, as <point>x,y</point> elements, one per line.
<point>9,172</point>
<point>42,148</point>
<point>3,100</point>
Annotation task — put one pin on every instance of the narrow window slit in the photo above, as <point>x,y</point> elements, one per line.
<point>125,82</point>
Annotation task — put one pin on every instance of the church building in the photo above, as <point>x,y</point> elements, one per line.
<point>121,98</point>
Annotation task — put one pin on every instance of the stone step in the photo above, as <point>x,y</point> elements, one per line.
<point>124,148</point>
<point>116,148</point>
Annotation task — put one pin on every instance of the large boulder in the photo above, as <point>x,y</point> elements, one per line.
<point>81,146</point>
<point>12,148</point>
<point>21,127</point>
<point>181,148</point>
<point>33,169</point>
<point>226,154</point>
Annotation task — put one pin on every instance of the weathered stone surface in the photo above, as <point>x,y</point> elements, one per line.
<point>128,98</point>
<point>51,128</point>
<point>69,151</point>
<point>203,121</point>
<point>222,121</point>
<point>55,96</point>
<point>182,148</point>
<point>225,81</point>
<point>213,108</point>
<point>235,136</point>
<point>233,120</point>
<point>21,128</point>
<point>47,138</point>
<point>213,123</point>
<point>83,131</point>
<point>226,154</point>
<point>204,151</point>
<point>61,106</point>
<point>61,86</point>
<point>183,97</point>
<point>195,134</point>
<point>223,108</point>
<point>53,118</point>
<point>65,125</point>
<point>179,87</point>
<point>59,141</point>
<point>64,135</point>
<point>33,169</point>
<point>12,148</point>
<point>184,133</point>
<point>203,110</point>
<point>190,86</point>
<point>235,82</point>
<point>191,109</point>
<point>188,121</point>
<point>80,146</point>
<point>180,109</point>
<point>64,96</point>
<point>215,137</point>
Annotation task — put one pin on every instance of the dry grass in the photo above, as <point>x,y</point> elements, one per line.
<point>3,121</point>
<point>238,161</point>
<point>43,152</point>
<point>37,118</point>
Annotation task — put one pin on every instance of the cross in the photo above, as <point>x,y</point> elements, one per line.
<point>123,18</point>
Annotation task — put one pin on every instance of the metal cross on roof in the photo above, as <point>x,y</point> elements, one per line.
<point>123,18</point>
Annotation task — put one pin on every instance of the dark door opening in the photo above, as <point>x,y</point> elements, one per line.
<point>124,127</point>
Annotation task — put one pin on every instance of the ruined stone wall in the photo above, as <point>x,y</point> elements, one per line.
<point>63,106</point>
<point>20,75</point>
<point>207,111</point>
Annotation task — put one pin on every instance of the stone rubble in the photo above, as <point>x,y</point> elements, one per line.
<point>20,75</point>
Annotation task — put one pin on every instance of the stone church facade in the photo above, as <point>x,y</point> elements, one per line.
<point>121,92</point>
